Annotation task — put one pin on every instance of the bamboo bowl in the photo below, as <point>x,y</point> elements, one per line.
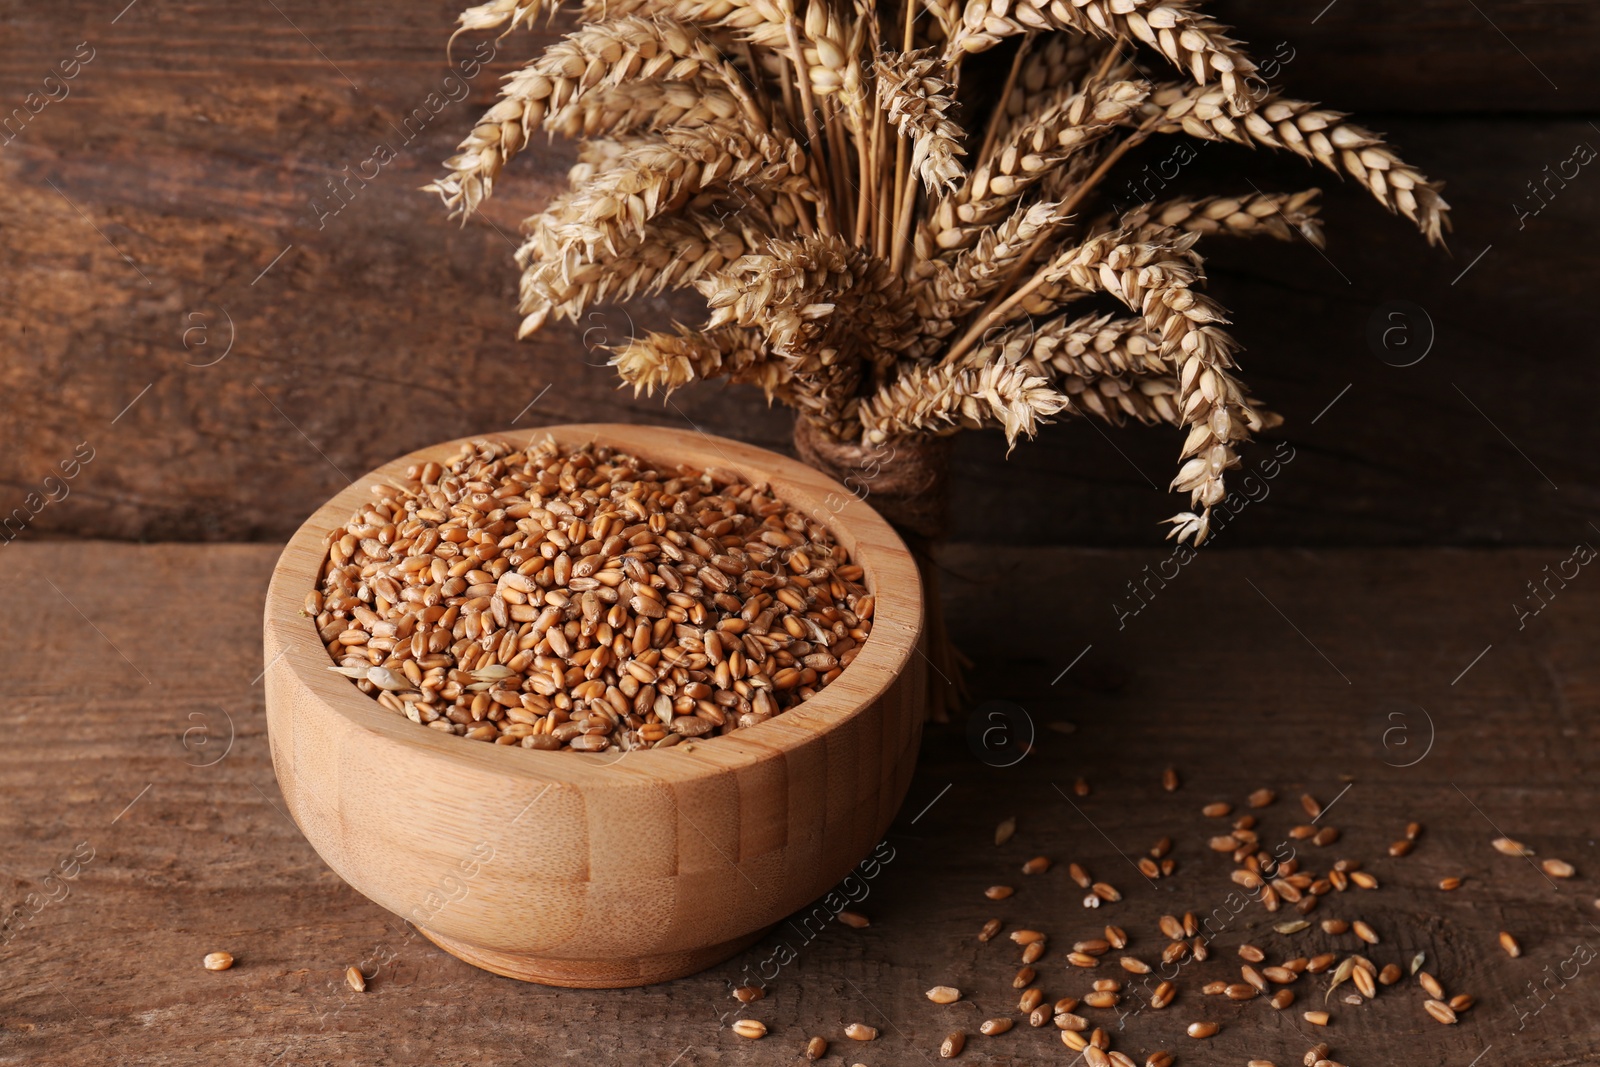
<point>601,870</point>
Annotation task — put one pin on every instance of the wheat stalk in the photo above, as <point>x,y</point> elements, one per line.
<point>889,242</point>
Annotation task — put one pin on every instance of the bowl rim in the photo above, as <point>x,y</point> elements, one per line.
<point>888,566</point>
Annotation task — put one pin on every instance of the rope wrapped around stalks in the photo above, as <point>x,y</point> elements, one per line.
<point>896,214</point>
<point>908,481</point>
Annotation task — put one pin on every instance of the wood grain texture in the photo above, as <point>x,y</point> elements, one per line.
<point>1441,57</point>
<point>601,871</point>
<point>1210,678</point>
<point>171,209</point>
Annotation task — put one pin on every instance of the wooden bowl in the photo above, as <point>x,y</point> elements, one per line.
<point>614,869</point>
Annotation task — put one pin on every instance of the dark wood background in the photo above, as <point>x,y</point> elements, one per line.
<point>161,213</point>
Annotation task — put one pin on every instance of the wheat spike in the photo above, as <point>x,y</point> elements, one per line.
<point>1157,279</point>
<point>957,287</point>
<point>671,253</point>
<point>1279,215</point>
<point>891,243</point>
<point>654,174</point>
<point>1192,42</point>
<point>1031,153</point>
<point>497,13</point>
<point>815,303</point>
<point>916,100</point>
<point>1314,133</point>
<point>620,59</point>
<point>944,399</point>
<point>1089,346</point>
<point>668,361</point>
<point>1052,67</point>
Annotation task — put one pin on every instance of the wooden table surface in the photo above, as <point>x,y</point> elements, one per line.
<point>142,827</point>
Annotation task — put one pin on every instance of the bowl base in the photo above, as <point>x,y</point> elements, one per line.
<point>592,974</point>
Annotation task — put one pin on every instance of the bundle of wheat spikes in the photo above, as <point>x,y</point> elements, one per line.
<point>892,247</point>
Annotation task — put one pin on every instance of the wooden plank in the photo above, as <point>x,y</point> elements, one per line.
<point>1370,56</point>
<point>1284,669</point>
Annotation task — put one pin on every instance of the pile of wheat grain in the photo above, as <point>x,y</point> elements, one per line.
<point>585,600</point>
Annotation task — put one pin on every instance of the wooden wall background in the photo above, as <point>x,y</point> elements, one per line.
<point>158,214</point>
